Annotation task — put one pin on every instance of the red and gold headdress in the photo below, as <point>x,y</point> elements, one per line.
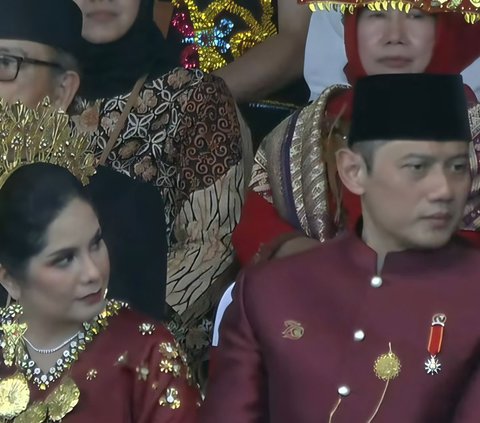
<point>470,9</point>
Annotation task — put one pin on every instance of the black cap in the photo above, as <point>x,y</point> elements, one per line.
<point>421,107</point>
<point>56,23</point>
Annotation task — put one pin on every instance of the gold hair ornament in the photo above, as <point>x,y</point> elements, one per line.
<point>41,134</point>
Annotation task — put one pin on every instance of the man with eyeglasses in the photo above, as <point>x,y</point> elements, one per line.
<point>38,43</point>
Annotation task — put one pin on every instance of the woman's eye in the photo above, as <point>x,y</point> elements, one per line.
<point>64,261</point>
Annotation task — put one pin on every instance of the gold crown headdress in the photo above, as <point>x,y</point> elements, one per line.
<point>41,134</point>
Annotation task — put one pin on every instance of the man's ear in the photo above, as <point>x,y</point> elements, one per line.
<point>9,283</point>
<point>352,170</point>
<point>66,86</point>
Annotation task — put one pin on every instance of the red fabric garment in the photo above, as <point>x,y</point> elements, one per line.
<point>259,224</point>
<point>455,49</point>
<point>266,372</point>
<point>116,391</point>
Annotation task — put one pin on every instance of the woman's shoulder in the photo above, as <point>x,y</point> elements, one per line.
<point>136,326</point>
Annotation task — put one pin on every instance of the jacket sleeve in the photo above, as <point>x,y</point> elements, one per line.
<point>237,390</point>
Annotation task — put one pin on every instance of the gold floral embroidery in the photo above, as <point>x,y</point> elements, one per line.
<point>170,399</point>
<point>12,336</point>
<point>146,328</point>
<point>14,396</point>
<point>62,400</point>
<point>70,355</point>
<point>142,372</point>
<point>168,350</point>
<point>36,413</point>
<point>92,374</point>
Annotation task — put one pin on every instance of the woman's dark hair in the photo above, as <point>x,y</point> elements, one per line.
<point>31,198</point>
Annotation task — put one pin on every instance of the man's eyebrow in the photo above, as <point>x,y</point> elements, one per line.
<point>13,50</point>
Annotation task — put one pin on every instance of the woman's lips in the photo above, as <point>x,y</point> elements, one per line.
<point>395,62</point>
<point>102,16</point>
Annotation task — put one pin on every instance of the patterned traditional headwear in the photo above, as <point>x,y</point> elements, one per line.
<point>41,134</point>
<point>470,9</point>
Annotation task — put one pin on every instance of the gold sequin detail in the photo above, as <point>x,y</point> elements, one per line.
<point>142,372</point>
<point>146,328</point>
<point>468,8</point>
<point>92,374</point>
<point>168,350</point>
<point>12,335</point>
<point>170,399</point>
<point>36,413</point>
<point>204,22</point>
<point>387,366</point>
<point>172,363</point>
<point>122,359</point>
<point>62,400</point>
<point>14,396</point>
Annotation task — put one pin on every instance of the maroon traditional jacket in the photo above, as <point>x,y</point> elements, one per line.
<point>132,372</point>
<point>302,329</point>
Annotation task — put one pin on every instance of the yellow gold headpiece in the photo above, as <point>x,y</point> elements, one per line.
<point>41,134</point>
<point>470,9</point>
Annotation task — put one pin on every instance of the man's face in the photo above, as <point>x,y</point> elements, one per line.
<point>415,194</point>
<point>395,42</point>
<point>33,82</point>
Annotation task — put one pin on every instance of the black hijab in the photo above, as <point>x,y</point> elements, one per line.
<point>112,69</point>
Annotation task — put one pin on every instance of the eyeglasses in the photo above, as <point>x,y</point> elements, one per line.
<point>10,66</point>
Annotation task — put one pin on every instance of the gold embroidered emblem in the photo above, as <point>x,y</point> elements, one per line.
<point>293,330</point>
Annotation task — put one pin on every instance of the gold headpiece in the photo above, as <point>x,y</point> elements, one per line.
<point>470,9</point>
<point>41,134</point>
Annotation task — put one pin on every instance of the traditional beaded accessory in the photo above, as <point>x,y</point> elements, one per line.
<point>9,316</point>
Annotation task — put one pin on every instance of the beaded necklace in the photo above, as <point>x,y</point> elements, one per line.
<point>28,366</point>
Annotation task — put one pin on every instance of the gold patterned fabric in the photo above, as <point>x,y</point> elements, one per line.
<point>291,171</point>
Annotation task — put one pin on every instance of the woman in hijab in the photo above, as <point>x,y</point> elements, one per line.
<point>296,198</point>
<point>176,130</point>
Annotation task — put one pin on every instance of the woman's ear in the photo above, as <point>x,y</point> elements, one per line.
<point>9,283</point>
<point>352,170</point>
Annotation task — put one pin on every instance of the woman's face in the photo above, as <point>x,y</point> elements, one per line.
<point>395,42</point>
<point>66,282</point>
<point>107,21</point>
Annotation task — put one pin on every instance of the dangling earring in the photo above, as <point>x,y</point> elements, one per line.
<point>9,300</point>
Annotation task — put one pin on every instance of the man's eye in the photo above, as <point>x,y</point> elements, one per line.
<point>6,61</point>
